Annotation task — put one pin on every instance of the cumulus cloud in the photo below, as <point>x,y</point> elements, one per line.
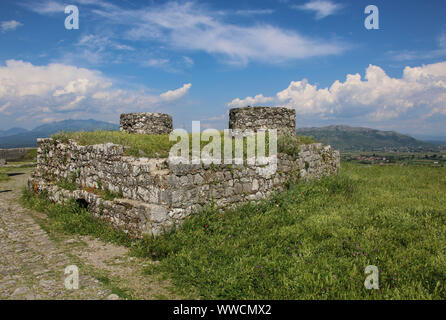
<point>9,25</point>
<point>60,91</point>
<point>420,92</point>
<point>250,101</point>
<point>322,8</point>
<point>176,94</point>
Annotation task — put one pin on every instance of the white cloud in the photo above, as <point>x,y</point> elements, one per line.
<point>10,25</point>
<point>322,8</point>
<point>4,107</point>
<point>250,12</point>
<point>188,62</point>
<point>46,7</point>
<point>33,93</point>
<point>190,26</point>
<point>156,62</point>
<point>176,94</point>
<point>420,92</point>
<point>410,55</point>
<point>100,43</point>
<point>251,101</point>
<point>49,7</point>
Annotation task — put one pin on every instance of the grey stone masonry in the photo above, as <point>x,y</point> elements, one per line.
<point>152,195</point>
<point>282,119</point>
<point>2,162</point>
<point>146,123</point>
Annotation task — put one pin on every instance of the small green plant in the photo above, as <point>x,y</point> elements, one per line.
<point>99,182</point>
<point>101,208</point>
<point>291,144</point>
<point>67,184</point>
<point>110,196</point>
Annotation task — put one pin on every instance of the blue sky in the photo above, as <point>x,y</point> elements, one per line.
<point>197,59</point>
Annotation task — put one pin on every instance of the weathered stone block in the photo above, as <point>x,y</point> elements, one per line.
<point>254,118</point>
<point>146,123</point>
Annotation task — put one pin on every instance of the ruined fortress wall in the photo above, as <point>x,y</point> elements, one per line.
<point>282,119</point>
<point>146,123</point>
<point>156,194</point>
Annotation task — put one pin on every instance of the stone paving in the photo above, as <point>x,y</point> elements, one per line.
<point>32,265</point>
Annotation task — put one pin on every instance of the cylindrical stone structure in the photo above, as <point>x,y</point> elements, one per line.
<point>253,118</point>
<point>146,123</point>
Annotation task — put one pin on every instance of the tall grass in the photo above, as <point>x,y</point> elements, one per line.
<point>311,241</point>
<point>314,240</point>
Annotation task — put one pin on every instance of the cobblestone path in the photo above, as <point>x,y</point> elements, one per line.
<point>32,263</point>
<point>32,266</point>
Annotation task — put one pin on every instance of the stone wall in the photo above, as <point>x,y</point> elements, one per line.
<point>282,119</point>
<point>146,123</point>
<point>155,194</point>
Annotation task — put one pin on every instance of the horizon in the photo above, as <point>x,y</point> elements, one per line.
<point>418,137</point>
<point>195,60</point>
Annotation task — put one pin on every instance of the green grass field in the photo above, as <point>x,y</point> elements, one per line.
<point>4,177</point>
<point>6,171</point>
<point>312,241</point>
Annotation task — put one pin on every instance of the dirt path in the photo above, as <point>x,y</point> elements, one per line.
<point>32,262</point>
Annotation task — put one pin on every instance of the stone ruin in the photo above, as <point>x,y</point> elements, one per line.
<point>146,123</point>
<point>254,118</point>
<point>2,162</point>
<point>155,193</point>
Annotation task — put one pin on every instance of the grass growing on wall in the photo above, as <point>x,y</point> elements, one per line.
<point>140,144</point>
<point>158,146</point>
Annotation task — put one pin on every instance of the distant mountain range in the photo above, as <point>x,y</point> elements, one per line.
<point>20,138</point>
<point>346,138</point>
<point>12,131</point>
